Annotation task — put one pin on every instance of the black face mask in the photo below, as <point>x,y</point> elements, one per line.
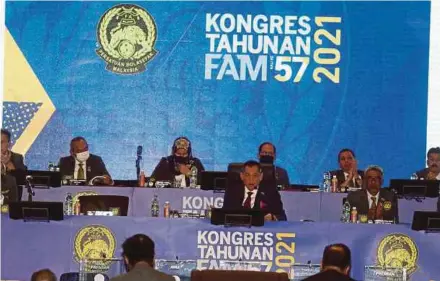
<point>181,159</point>
<point>266,159</point>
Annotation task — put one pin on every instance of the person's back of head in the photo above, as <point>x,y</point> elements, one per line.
<point>138,249</point>
<point>337,257</point>
<point>43,275</point>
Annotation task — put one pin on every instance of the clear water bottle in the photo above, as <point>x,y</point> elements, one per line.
<point>414,176</point>
<point>51,167</point>
<point>193,177</point>
<point>155,207</point>
<point>68,205</point>
<point>326,182</point>
<point>346,209</point>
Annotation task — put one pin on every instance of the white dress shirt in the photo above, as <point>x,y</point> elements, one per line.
<point>253,196</point>
<point>370,202</point>
<point>84,166</point>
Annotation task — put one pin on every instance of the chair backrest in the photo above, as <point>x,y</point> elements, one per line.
<point>74,276</point>
<point>104,203</point>
<point>232,275</point>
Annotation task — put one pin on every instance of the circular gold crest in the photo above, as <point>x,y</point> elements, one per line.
<point>127,34</point>
<point>92,243</point>
<point>387,205</point>
<point>363,218</point>
<point>398,250</point>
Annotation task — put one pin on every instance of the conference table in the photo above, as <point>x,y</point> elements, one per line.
<point>299,206</point>
<point>58,245</point>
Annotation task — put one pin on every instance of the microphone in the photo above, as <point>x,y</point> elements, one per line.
<point>139,151</point>
<point>29,186</point>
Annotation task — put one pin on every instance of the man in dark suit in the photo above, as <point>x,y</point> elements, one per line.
<point>267,153</point>
<point>13,170</point>
<point>348,175</point>
<point>250,194</point>
<point>335,265</point>
<point>177,167</point>
<point>373,201</point>
<point>82,165</point>
<point>432,172</point>
<point>138,254</point>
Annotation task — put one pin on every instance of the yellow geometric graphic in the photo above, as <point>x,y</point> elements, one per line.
<point>22,85</point>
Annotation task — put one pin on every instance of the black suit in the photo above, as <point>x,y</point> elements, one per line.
<point>341,177</point>
<point>94,167</point>
<point>17,160</point>
<point>166,169</point>
<point>329,275</point>
<point>281,176</point>
<point>423,174</point>
<point>267,199</point>
<point>359,199</point>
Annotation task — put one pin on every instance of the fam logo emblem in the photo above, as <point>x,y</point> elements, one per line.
<point>94,246</point>
<point>398,250</point>
<point>126,35</point>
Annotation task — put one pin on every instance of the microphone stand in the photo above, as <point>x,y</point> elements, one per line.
<point>30,190</point>
<point>138,166</point>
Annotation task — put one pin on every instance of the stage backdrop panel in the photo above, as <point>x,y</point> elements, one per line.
<point>312,77</point>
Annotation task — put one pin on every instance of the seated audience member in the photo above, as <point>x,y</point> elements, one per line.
<point>348,175</point>
<point>177,166</point>
<point>267,153</point>
<point>138,254</point>
<point>335,265</point>
<point>373,201</point>
<point>82,165</point>
<point>432,172</point>
<point>253,195</point>
<point>12,162</point>
<point>43,275</point>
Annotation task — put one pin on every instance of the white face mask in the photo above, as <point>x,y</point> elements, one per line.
<point>83,156</point>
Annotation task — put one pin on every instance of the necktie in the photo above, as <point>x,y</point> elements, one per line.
<point>247,203</point>
<point>80,175</point>
<point>372,211</point>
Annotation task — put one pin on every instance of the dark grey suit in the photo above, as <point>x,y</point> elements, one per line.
<point>281,176</point>
<point>94,166</point>
<point>359,199</point>
<point>143,272</point>
<point>341,177</point>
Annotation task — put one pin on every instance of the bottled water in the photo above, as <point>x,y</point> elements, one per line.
<point>326,182</point>
<point>346,209</point>
<point>68,205</point>
<point>193,177</point>
<point>155,207</point>
<point>414,176</point>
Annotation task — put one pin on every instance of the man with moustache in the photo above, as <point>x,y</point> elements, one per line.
<point>432,172</point>
<point>251,194</point>
<point>348,175</point>
<point>373,201</point>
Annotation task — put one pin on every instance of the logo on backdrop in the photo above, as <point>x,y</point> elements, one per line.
<point>126,35</point>
<point>398,250</point>
<point>260,47</point>
<point>260,251</point>
<point>92,243</point>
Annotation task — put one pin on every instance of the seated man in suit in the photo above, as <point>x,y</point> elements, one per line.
<point>348,175</point>
<point>177,166</point>
<point>335,265</point>
<point>82,165</point>
<point>138,254</point>
<point>373,201</point>
<point>432,172</point>
<point>251,194</point>
<point>267,153</point>
<point>12,162</point>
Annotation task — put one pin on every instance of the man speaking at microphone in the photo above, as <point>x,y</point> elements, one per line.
<point>373,201</point>
<point>250,194</point>
<point>82,165</point>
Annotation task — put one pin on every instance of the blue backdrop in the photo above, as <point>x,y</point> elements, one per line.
<point>378,108</point>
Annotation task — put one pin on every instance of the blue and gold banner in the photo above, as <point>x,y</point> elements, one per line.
<point>312,77</point>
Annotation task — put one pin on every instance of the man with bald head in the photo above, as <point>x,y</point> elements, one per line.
<point>335,265</point>
<point>43,275</point>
